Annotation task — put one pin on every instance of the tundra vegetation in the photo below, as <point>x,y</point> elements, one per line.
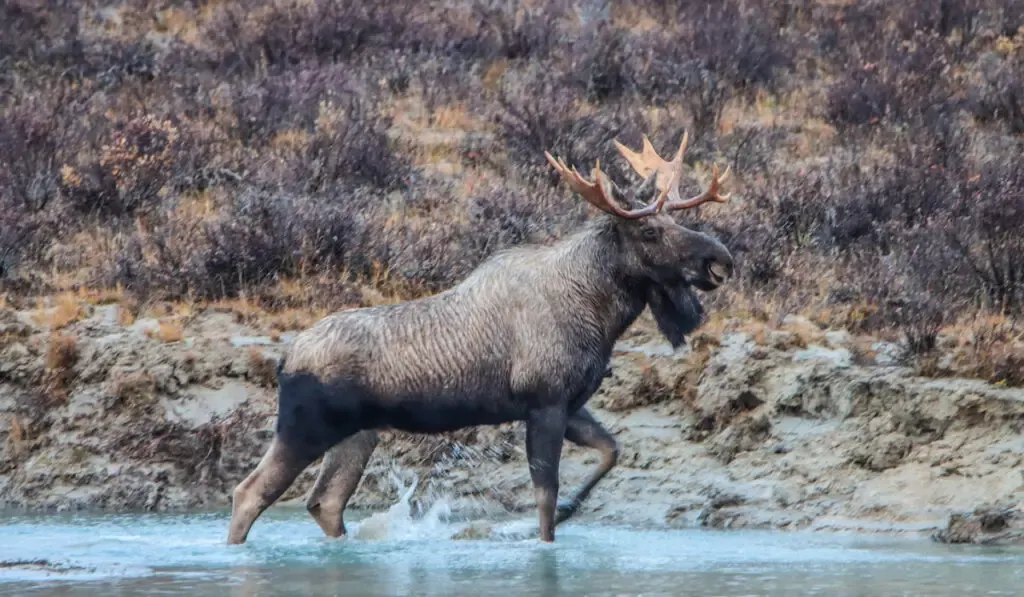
<point>308,155</point>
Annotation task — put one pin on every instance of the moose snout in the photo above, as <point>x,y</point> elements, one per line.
<point>719,269</point>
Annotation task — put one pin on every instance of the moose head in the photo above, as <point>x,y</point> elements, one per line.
<point>669,259</point>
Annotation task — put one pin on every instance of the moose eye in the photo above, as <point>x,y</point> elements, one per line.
<point>650,234</point>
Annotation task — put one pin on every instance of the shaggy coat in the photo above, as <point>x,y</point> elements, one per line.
<point>527,336</point>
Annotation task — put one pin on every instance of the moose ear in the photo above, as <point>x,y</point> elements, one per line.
<point>676,310</point>
<point>641,193</point>
<point>617,195</point>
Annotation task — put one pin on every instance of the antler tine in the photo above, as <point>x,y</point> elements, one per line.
<point>592,192</point>
<point>597,195</point>
<point>682,148</point>
<point>709,195</point>
<point>640,162</point>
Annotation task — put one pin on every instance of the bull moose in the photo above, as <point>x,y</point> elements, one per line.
<point>527,336</point>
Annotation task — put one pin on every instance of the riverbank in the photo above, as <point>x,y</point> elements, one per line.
<point>788,427</point>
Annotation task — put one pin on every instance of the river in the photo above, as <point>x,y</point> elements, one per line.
<point>185,554</point>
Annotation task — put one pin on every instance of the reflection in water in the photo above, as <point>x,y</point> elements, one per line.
<point>546,568</point>
<point>286,555</point>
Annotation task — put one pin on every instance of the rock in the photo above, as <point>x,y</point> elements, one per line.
<point>882,453</point>
<point>809,391</point>
<point>163,376</point>
<point>785,340</point>
<point>839,339</point>
<point>839,357</point>
<point>745,434</point>
<point>712,514</point>
<point>12,356</point>
<point>887,354</point>
<point>474,530</point>
<point>984,525</point>
<point>39,565</point>
<point>647,390</point>
<point>786,495</point>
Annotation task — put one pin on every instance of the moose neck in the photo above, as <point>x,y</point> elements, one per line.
<point>604,298</point>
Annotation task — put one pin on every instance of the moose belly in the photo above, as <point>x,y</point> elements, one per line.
<point>441,413</point>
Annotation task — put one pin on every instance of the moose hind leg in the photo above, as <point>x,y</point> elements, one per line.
<point>583,430</point>
<point>545,429</point>
<point>339,476</point>
<point>272,477</point>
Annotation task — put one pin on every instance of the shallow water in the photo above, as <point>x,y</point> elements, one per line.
<point>155,554</point>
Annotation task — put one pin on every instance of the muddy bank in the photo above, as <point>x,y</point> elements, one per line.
<point>778,429</point>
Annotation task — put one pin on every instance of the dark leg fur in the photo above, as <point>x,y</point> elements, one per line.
<point>545,429</point>
<point>583,430</point>
<point>339,476</point>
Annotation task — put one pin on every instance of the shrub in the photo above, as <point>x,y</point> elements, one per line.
<point>289,32</point>
<point>983,230</point>
<point>600,63</point>
<point>907,82</point>
<point>1000,95</point>
<point>134,164</point>
<point>512,29</point>
<point>259,147</point>
<point>351,144</point>
<point>718,51</point>
<point>541,115</point>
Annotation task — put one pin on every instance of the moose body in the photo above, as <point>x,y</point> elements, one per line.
<point>527,336</point>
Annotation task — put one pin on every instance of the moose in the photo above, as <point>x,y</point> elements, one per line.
<point>527,336</point>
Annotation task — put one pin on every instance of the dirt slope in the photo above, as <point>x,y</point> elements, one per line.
<point>783,432</point>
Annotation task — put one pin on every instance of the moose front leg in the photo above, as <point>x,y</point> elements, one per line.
<point>583,430</point>
<point>545,429</point>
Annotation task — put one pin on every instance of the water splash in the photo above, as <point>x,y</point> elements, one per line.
<point>406,521</point>
<point>399,523</point>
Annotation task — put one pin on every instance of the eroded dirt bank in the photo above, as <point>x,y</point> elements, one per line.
<point>779,429</point>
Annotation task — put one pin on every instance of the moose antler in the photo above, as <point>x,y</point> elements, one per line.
<point>598,195</point>
<point>646,163</point>
<point>668,173</point>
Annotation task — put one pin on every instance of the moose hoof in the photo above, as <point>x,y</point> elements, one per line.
<point>565,510</point>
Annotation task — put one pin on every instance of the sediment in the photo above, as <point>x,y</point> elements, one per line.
<point>793,429</point>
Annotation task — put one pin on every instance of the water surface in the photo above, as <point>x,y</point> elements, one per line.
<point>185,554</point>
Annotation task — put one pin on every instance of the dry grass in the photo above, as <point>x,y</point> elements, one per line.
<point>18,435</point>
<point>127,310</point>
<point>167,332</point>
<point>262,369</point>
<point>133,391</point>
<point>103,296</point>
<point>67,309</point>
<point>290,320</point>
<point>61,353</point>
<point>17,430</point>
<point>989,347</point>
